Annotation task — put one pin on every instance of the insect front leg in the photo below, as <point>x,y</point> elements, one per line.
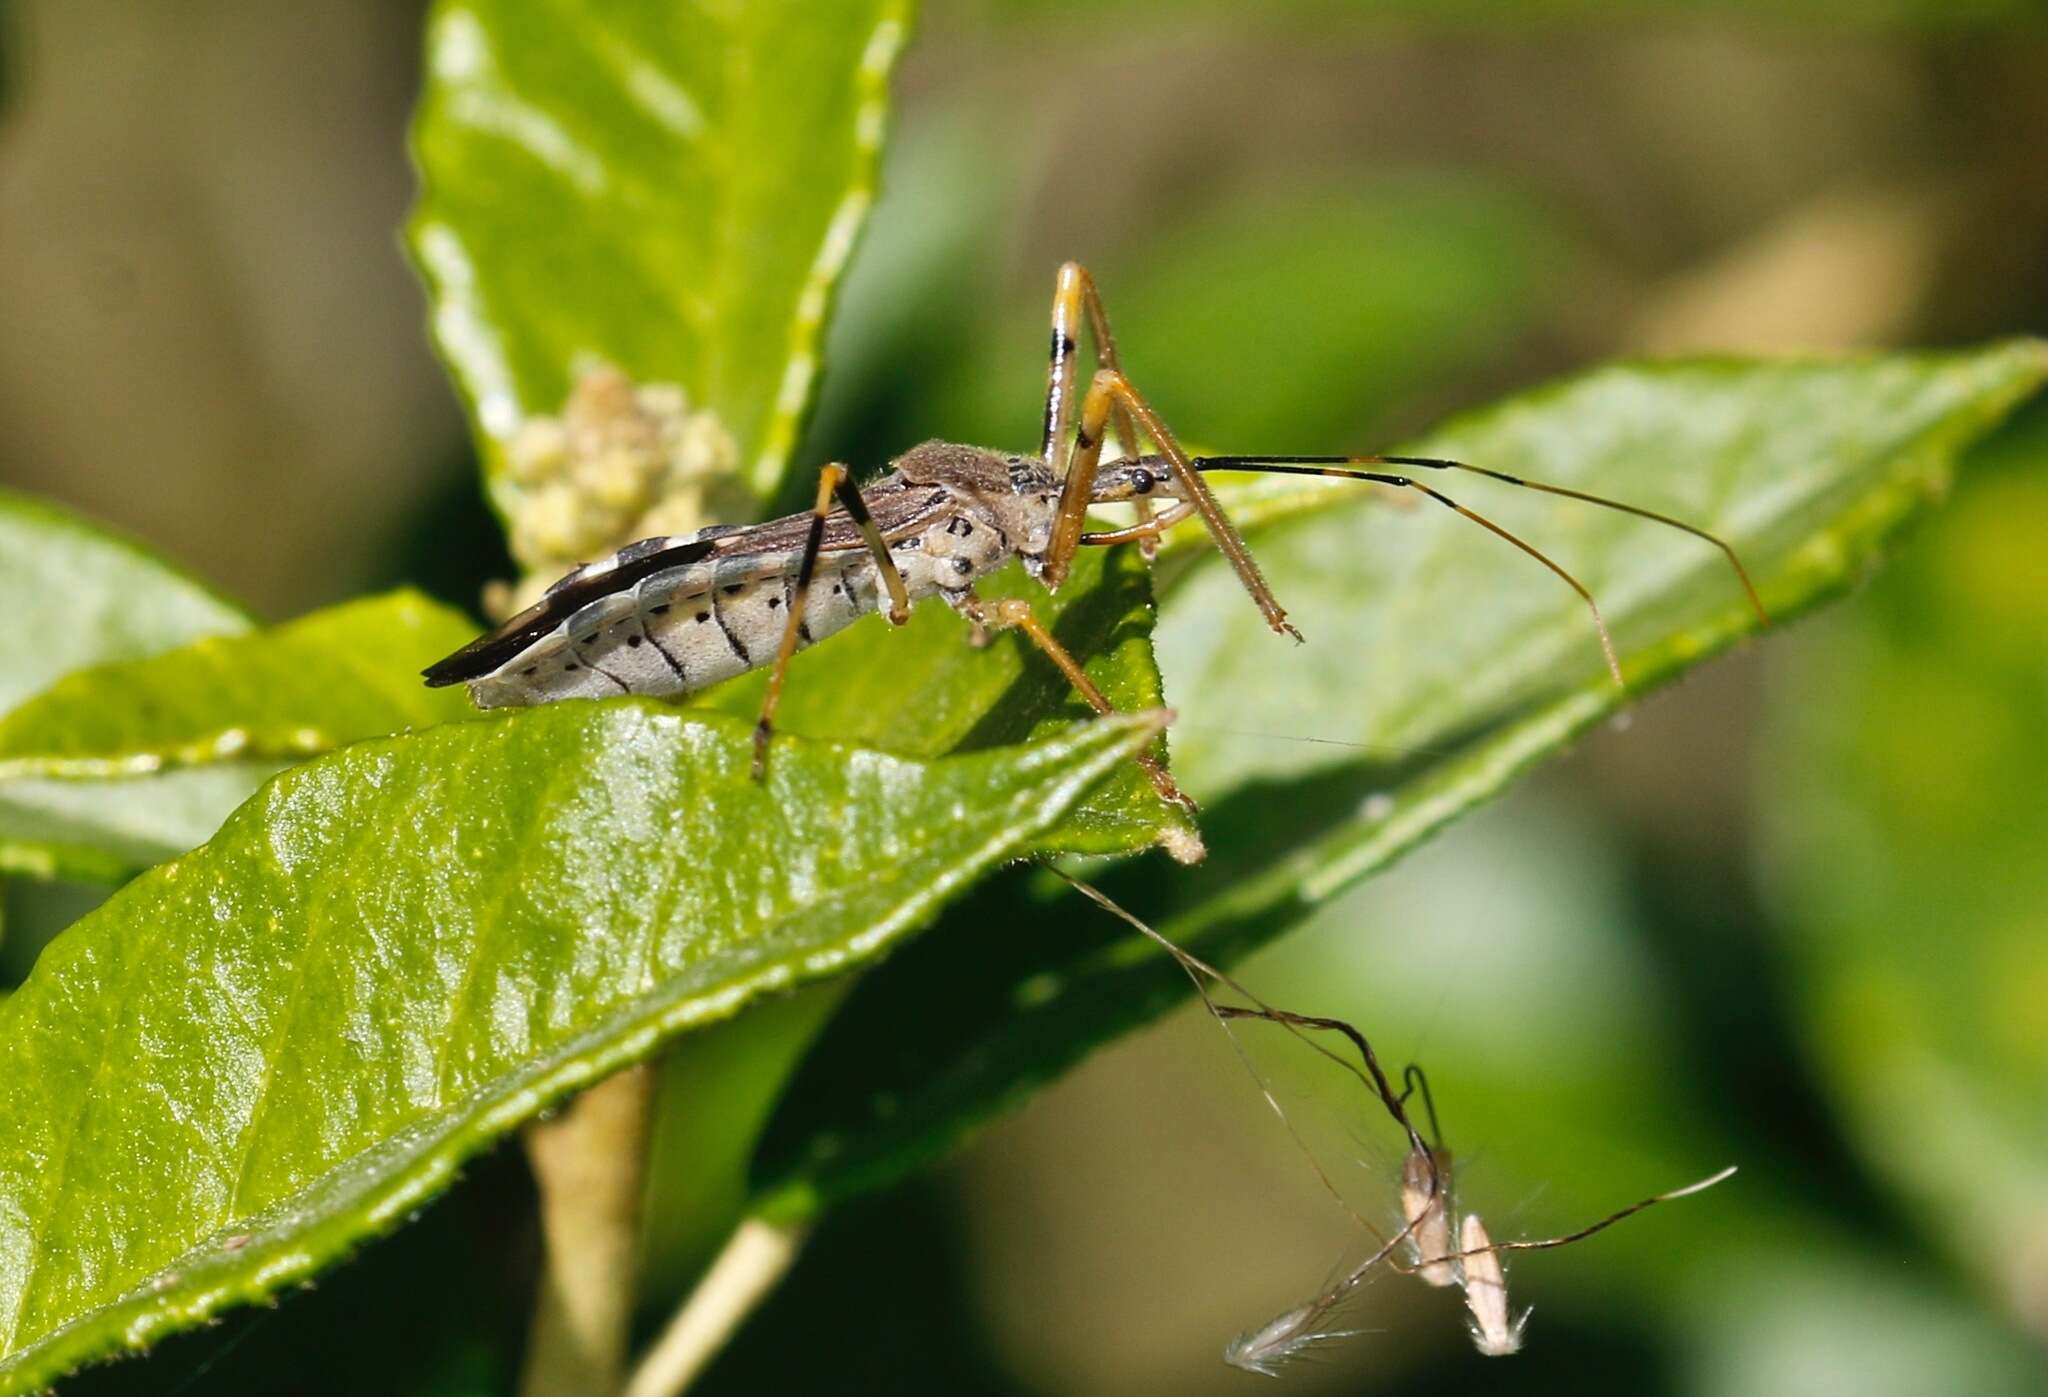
<point>1109,390</point>
<point>833,482</point>
<point>1013,613</point>
<point>1074,296</point>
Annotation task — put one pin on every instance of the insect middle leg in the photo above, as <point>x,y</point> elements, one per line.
<point>1013,613</point>
<point>833,482</point>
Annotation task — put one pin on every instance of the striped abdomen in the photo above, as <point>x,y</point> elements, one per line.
<point>680,630</point>
<point>686,628</point>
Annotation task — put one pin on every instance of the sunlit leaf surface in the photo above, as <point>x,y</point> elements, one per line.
<point>76,595</point>
<point>670,188</point>
<point>334,677</point>
<point>252,1058</point>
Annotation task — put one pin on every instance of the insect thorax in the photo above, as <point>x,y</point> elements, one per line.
<point>1013,494</point>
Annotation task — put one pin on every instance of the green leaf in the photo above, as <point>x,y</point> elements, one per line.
<point>252,703</point>
<point>253,1058</point>
<point>293,691</point>
<point>1446,657</point>
<point>75,595</point>
<point>922,690</point>
<point>1421,626</point>
<point>103,831</point>
<point>672,189</point>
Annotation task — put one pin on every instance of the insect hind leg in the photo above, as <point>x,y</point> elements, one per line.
<point>1074,298</point>
<point>1015,614</point>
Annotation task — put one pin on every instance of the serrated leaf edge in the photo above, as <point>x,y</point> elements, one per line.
<point>168,1302</point>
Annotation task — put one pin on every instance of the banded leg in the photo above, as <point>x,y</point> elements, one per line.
<point>833,481</point>
<point>1074,295</point>
<point>1109,390</point>
<point>1013,613</point>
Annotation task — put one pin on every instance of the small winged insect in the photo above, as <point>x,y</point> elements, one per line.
<point>672,615</point>
<point>1429,1220</point>
<point>1428,1208</point>
<point>1425,1193</point>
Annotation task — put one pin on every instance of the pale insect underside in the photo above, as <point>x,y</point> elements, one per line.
<point>670,616</point>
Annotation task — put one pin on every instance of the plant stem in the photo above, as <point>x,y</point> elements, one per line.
<point>590,1164</point>
<point>753,1260</point>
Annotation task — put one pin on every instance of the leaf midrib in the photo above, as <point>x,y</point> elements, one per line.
<point>492,926</point>
<point>318,923</point>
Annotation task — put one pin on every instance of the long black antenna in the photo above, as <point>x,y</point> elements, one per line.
<point>1337,466</point>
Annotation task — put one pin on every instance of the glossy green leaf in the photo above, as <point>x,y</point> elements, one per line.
<point>293,691</point>
<point>254,1057</point>
<point>1422,627</point>
<point>76,595</point>
<point>924,691</point>
<point>624,183</point>
<point>921,690</point>
<point>1440,665</point>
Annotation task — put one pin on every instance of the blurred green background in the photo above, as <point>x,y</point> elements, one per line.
<point>1793,916</point>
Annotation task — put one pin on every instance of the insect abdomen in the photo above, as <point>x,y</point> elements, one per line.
<point>677,632</point>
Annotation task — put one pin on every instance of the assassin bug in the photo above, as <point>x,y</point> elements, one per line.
<point>672,615</point>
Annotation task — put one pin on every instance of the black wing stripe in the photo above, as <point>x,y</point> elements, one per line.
<point>487,652</point>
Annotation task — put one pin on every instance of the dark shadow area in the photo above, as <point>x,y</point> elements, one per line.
<point>1098,622</point>
<point>431,1311</point>
<point>878,1300</point>
<point>1736,1027</point>
<point>450,549</point>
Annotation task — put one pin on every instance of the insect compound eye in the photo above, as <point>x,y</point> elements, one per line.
<point>1142,481</point>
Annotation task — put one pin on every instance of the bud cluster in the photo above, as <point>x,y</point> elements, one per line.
<point>621,463</point>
